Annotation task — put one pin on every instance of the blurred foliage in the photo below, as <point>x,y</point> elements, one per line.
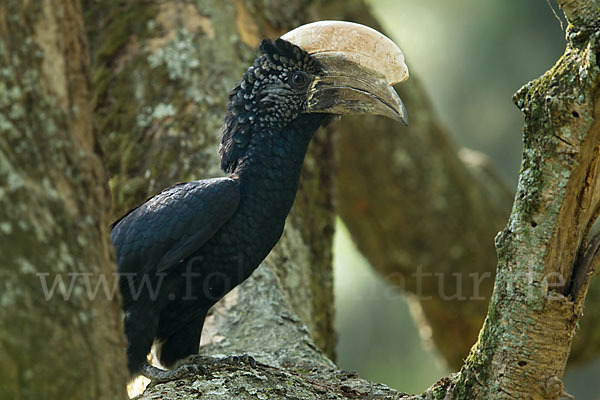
<point>377,336</point>
<point>472,56</point>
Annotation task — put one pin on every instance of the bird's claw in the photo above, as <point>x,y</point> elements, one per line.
<point>194,365</point>
<point>241,359</point>
<point>157,375</point>
<point>229,360</point>
<point>194,369</point>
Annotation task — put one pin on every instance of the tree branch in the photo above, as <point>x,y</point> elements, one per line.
<point>259,319</point>
<point>584,269</point>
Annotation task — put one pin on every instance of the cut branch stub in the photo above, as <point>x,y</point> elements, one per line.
<point>581,12</point>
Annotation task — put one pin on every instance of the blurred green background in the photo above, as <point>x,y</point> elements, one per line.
<point>472,56</point>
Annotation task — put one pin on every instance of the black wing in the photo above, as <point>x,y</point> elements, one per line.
<point>173,224</point>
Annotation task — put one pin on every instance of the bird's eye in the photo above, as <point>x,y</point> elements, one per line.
<point>299,79</point>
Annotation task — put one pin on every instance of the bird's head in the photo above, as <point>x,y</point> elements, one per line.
<point>327,67</point>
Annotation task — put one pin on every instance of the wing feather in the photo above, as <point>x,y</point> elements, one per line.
<point>172,225</point>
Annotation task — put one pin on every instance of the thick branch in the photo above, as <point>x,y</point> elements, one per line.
<point>258,319</point>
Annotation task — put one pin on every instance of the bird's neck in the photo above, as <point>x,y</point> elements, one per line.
<point>269,171</point>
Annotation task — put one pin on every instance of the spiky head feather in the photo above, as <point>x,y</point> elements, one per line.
<point>267,98</point>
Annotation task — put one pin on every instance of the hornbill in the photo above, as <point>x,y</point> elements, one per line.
<point>185,248</point>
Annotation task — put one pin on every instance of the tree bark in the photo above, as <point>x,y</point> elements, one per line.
<point>54,214</point>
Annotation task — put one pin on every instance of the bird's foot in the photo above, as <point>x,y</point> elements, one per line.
<point>157,375</point>
<point>239,360</point>
<point>229,360</point>
<point>193,365</point>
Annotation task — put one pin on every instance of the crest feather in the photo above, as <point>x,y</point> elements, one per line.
<point>278,57</point>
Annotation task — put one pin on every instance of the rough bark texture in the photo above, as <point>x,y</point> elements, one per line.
<point>259,319</point>
<point>54,213</point>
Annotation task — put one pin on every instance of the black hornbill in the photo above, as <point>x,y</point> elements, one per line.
<point>185,248</point>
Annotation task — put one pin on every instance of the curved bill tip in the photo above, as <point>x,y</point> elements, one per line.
<point>391,106</point>
<point>402,114</point>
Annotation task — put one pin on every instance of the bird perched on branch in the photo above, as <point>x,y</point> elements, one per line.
<point>185,248</point>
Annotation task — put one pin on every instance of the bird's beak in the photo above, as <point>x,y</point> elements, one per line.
<point>349,88</point>
<point>360,66</point>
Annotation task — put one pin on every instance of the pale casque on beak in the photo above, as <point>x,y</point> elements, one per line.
<point>360,67</point>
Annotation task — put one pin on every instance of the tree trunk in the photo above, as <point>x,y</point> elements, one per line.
<point>54,214</point>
